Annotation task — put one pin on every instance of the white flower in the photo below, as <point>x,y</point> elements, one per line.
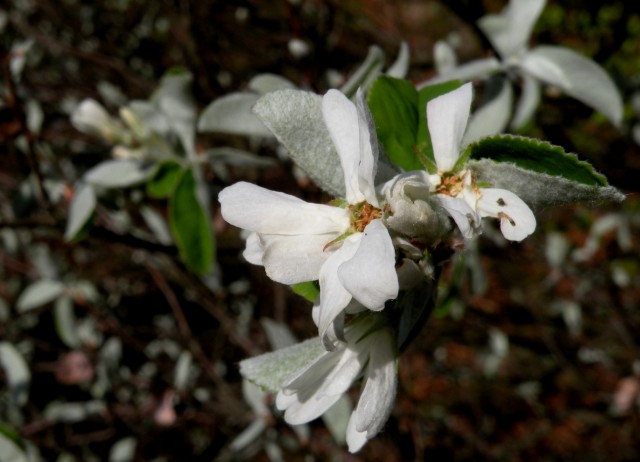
<point>348,249</point>
<point>456,188</point>
<point>92,118</point>
<point>509,32</point>
<point>313,390</point>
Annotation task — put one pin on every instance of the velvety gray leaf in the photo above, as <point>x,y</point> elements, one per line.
<point>540,189</point>
<point>270,370</point>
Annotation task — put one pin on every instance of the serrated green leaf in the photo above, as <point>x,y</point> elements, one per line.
<point>423,138</point>
<point>394,106</point>
<point>165,179</point>
<point>537,156</point>
<point>190,225</point>
<point>539,189</point>
<point>309,290</point>
<point>270,370</point>
<point>38,294</point>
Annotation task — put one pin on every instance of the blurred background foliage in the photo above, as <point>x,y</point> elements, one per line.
<point>532,355</point>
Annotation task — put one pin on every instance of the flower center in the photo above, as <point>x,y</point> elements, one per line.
<point>362,214</point>
<point>453,184</point>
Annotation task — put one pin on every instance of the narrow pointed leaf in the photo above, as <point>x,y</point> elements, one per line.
<point>190,226</point>
<point>38,294</point>
<point>81,211</point>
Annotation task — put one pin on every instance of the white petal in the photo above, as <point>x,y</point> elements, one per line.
<point>376,400</point>
<point>333,296</point>
<point>341,118</point>
<point>294,259</point>
<point>400,66</point>
<point>355,439</point>
<point>491,118</point>
<point>370,275</point>
<point>509,30</point>
<point>368,151</point>
<point>447,117</point>
<point>465,217</point>
<point>542,68</point>
<point>252,207</point>
<point>516,218</point>
<point>253,252</point>
<point>444,57</point>
<point>301,412</point>
<point>91,117</point>
<point>478,69</point>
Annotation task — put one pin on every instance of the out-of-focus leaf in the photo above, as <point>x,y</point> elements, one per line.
<point>309,290</point>
<point>232,114</point>
<point>164,180</point>
<point>175,100</point>
<point>266,83</point>
<point>81,210</point>
<point>157,224</point>
<point>578,76</point>
<point>65,322</point>
<point>73,412</point>
<point>39,293</point>
<point>279,335</point>
<point>400,66</point>
<point>120,173</point>
<point>123,450</point>
<point>366,73</point>
<point>181,372</point>
<point>10,449</point>
<point>190,226</point>
<point>336,418</point>
<point>270,370</point>
<point>237,157</point>
<point>16,371</point>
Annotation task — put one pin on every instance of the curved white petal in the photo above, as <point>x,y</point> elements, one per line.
<point>252,207</point>
<point>253,252</point>
<point>465,217</point>
<point>294,259</point>
<point>370,275</point>
<point>545,69</point>
<point>341,118</point>
<point>368,151</point>
<point>355,439</point>
<point>447,117</point>
<point>516,218</point>
<point>400,66</point>
<point>376,400</point>
<point>300,412</point>
<point>444,57</point>
<point>333,296</point>
<point>91,117</point>
<point>478,69</point>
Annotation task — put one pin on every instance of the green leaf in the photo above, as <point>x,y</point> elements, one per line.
<point>540,189</point>
<point>423,138</point>
<point>394,106</point>
<point>309,290</point>
<point>270,370</point>
<point>190,225</point>
<point>538,156</point>
<point>163,183</point>
<point>38,294</point>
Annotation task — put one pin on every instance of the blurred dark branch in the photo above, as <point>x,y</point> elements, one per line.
<point>49,42</point>
<point>14,103</point>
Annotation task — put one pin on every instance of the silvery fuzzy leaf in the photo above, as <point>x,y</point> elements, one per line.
<point>232,114</point>
<point>540,189</point>
<point>510,29</point>
<point>491,118</point>
<point>271,370</point>
<point>266,83</point>
<point>528,102</point>
<point>368,71</point>
<point>578,76</point>
<point>120,173</point>
<point>295,118</point>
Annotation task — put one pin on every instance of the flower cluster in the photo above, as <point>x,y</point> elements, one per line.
<point>364,248</point>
